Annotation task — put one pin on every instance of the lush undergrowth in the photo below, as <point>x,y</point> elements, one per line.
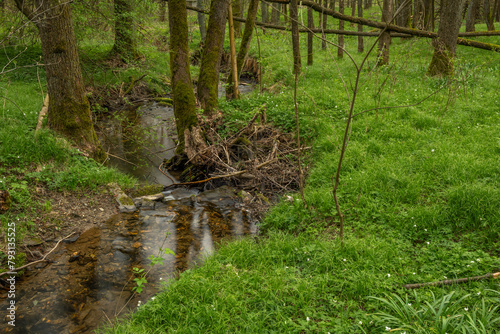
<point>419,189</point>
<point>420,192</point>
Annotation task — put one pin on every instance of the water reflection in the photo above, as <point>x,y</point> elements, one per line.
<point>90,280</point>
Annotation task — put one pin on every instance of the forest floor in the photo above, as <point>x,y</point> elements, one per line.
<point>420,190</point>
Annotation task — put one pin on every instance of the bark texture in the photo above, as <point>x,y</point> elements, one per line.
<point>125,44</point>
<point>201,21</point>
<point>69,109</point>
<point>385,38</point>
<point>361,46</point>
<point>340,51</point>
<point>208,79</point>
<point>294,15</point>
<point>472,13</point>
<point>446,43</point>
<point>182,85</point>
<point>245,43</point>
<point>237,11</point>
<point>310,25</point>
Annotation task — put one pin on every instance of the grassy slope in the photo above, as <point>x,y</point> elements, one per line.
<point>429,182</point>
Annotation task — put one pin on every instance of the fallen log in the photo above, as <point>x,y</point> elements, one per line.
<point>453,281</point>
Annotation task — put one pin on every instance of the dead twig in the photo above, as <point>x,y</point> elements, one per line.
<point>43,259</point>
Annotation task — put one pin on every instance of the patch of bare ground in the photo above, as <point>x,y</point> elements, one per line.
<point>57,214</point>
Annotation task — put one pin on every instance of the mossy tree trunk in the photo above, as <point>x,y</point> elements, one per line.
<point>163,10</point>
<point>446,43</point>
<point>472,13</point>
<point>125,40</point>
<point>403,18</point>
<point>385,39</point>
<point>245,44</point>
<point>275,13</point>
<point>324,22</point>
<point>294,16</point>
<point>208,79</point>
<point>69,109</point>
<point>182,85</point>
<point>237,11</point>
<point>490,8</point>
<point>201,21</point>
<point>361,45</point>
<point>264,9</point>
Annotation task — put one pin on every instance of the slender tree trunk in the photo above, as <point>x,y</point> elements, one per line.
<point>264,9</point>
<point>490,8</point>
<point>201,21</point>
<point>310,25</point>
<point>361,46</point>
<point>368,4</point>
<point>472,12</point>
<point>208,79</point>
<point>294,15</point>
<point>284,8</point>
<point>324,22</point>
<point>69,109</point>
<point>245,44</point>
<point>125,43</point>
<point>403,18</point>
<point>417,14</point>
<point>340,52</point>
<point>235,93</point>
<point>163,10</point>
<point>446,42</point>
<point>385,39</point>
<point>353,8</point>
<point>275,14</point>
<point>237,11</point>
<point>182,85</point>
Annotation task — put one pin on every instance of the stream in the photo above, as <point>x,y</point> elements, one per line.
<point>89,281</point>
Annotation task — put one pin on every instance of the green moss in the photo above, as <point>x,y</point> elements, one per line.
<point>125,200</point>
<point>149,189</point>
<point>441,64</point>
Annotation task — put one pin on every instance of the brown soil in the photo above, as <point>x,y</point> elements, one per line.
<point>61,213</point>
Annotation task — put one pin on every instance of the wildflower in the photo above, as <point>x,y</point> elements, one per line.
<point>445,277</point>
<point>409,304</point>
<point>479,293</point>
<point>161,278</point>
<point>471,261</point>
<point>360,322</point>
<point>388,275</point>
<point>432,150</point>
<point>478,260</point>
<point>425,229</point>
<point>413,273</point>
<point>152,298</point>
<point>307,259</point>
<point>414,225</point>
<point>387,328</point>
<point>286,267</point>
<point>307,318</point>
<point>345,260</point>
<point>428,242</point>
<point>466,309</point>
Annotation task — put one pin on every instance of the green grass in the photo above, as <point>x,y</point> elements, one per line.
<point>419,187</point>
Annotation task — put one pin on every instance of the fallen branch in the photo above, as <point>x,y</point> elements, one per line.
<point>249,124</point>
<point>14,271</point>
<point>453,281</point>
<point>132,84</point>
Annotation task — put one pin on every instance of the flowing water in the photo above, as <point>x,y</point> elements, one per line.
<point>90,279</point>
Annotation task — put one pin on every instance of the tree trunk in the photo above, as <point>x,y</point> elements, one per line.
<point>208,80</point>
<point>182,85</point>
<point>237,11</point>
<point>69,109</point>
<point>163,10</point>
<point>403,18</point>
<point>417,14</point>
<point>125,45</point>
<point>340,52</point>
<point>245,44</point>
<point>368,4</point>
<point>472,12</point>
<point>385,39</point>
<point>201,21</point>
<point>264,9</point>
<point>361,46</point>
<point>294,16</point>
<point>490,8</point>
<point>310,25</point>
<point>353,13</point>
<point>275,14</point>
<point>324,22</point>
<point>446,42</point>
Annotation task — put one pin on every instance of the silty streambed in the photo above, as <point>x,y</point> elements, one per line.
<point>90,278</point>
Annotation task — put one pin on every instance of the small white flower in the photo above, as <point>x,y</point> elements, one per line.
<point>479,293</point>
<point>388,275</point>
<point>361,322</point>
<point>466,309</point>
<point>409,304</point>
<point>428,242</point>
<point>445,277</point>
<point>414,225</point>
<point>286,267</point>
<point>425,229</point>
<point>387,328</point>
<point>471,261</point>
<point>468,265</point>
<point>285,322</point>
<point>478,260</point>
<point>161,278</point>
<point>413,273</point>
<point>307,318</point>
<point>307,259</point>
<point>345,260</point>
<point>432,150</point>
<point>152,298</point>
